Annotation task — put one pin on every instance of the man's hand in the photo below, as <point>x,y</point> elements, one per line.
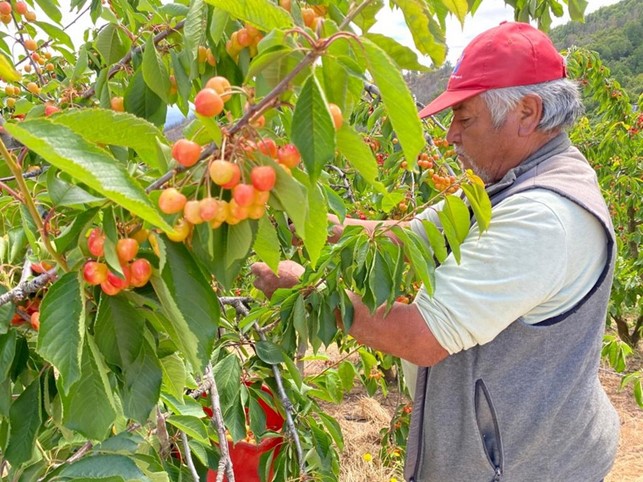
<point>268,282</point>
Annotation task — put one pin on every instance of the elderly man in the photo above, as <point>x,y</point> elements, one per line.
<point>506,351</point>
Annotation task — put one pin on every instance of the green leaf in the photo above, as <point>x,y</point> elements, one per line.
<point>7,352</point>
<point>429,39</point>
<point>120,335</point>
<point>479,201</point>
<point>63,193</point>
<point>227,374</point>
<point>316,220</point>
<point>174,375</point>
<point>110,45</point>
<point>192,426</point>
<point>398,100</point>
<point>7,310</point>
<point>240,237</point>
<point>347,373</point>
<point>141,101</point>
<point>194,29</point>
<point>269,59</point>
<point>56,33</point>
<point>25,416</point>
<point>291,197</point>
<point>404,57</point>
<point>436,239</point>
<point>142,384</point>
<point>266,244</point>
<point>81,64</point>
<point>299,317</point>
<point>459,8</point>
<point>155,73</point>
<point>8,73</point>
<point>360,156</point>
<point>104,466</point>
<point>313,132</point>
<point>51,9</point>
<point>87,163</point>
<point>422,262</point>
<point>62,328</point>
<point>380,280</point>
<point>269,352</point>
<point>333,428</point>
<point>105,126</point>
<point>577,13</point>
<point>191,304</point>
<point>89,407</point>
<point>458,215</point>
<point>455,223</point>
<point>263,14</point>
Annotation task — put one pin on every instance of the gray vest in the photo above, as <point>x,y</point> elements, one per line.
<point>527,406</point>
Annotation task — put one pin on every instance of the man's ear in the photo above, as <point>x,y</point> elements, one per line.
<point>531,112</point>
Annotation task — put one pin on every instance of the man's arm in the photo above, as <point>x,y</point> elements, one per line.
<point>402,332</point>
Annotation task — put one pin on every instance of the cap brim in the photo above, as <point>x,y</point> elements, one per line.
<point>448,99</point>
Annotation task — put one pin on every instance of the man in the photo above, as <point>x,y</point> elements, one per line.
<point>509,344</point>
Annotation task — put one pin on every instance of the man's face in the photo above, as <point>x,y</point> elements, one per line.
<point>480,146</point>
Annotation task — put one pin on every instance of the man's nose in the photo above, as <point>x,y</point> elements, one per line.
<point>453,134</point>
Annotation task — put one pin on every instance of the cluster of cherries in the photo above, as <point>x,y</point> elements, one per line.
<point>246,37</point>
<point>136,271</point>
<point>247,200</point>
<point>21,8</point>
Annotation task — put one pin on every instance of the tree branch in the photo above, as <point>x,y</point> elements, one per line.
<point>26,287</point>
<point>217,417</point>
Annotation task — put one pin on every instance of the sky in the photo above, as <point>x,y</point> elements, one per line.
<point>489,14</point>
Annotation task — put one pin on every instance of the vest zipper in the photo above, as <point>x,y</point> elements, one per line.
<point>488,428</point>
<point>420,446</point>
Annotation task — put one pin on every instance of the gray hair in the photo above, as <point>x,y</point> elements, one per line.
<point>562,104</point>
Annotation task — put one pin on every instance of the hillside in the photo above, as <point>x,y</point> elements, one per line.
<point>615,32</point>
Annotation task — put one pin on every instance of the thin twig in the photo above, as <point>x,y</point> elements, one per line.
<point>86,447</point>
<point>188,457</point>
<point>128,56</point>
<point>345,181</point>
<point>350,16</point>
<point>11,192</point>
<point>225,462</point>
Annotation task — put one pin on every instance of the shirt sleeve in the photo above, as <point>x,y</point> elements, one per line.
<point>518,264</point>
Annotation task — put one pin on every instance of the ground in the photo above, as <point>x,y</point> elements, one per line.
<point>362,417</point>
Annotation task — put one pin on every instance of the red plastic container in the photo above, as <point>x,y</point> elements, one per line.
<point>245,456</point>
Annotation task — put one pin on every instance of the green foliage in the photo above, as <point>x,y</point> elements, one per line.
<point>611,139</point>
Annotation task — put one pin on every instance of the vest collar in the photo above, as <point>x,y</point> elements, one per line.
<point>558,144</point>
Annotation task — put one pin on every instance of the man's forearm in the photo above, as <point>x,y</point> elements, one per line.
<point>402,332</point>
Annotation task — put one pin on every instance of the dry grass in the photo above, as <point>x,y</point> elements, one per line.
<point>362,418</point>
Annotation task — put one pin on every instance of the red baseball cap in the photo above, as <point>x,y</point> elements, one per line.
<point>508,55</point>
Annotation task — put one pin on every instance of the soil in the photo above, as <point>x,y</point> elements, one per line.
<point>362,418</point>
